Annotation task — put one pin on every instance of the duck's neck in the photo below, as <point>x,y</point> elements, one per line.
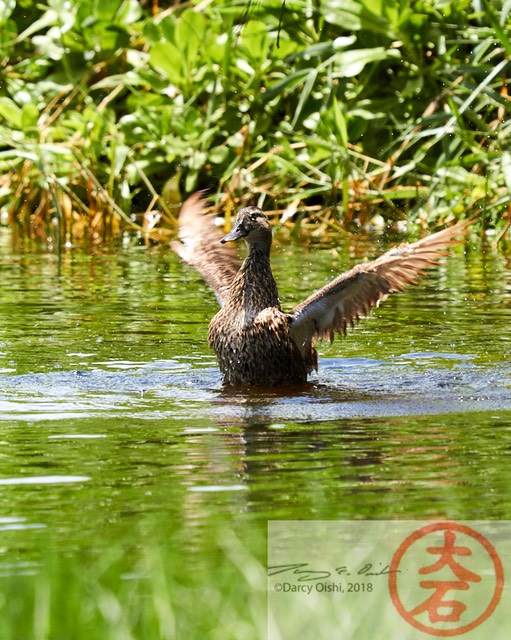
<point>254,288</point>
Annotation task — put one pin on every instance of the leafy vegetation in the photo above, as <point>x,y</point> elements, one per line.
<point>112,111</point>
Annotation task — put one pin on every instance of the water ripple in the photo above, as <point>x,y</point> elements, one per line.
<point>411,384</point>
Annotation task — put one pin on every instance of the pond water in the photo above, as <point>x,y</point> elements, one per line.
<point>118,440</point>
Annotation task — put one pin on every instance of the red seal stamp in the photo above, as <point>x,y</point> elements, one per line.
<point>446,579</point>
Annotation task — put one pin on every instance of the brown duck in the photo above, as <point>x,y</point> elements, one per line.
<point>256,342</point>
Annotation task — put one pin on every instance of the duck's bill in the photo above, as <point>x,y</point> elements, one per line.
<point>234,234</point>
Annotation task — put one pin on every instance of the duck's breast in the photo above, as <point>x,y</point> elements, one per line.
<point>257,350</point>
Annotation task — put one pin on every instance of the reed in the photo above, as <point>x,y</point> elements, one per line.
<point>112,112</point>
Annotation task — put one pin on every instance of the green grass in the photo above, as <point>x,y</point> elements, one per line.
<point>146,592</point>
<point>112,111</point>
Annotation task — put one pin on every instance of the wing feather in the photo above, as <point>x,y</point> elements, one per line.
<point>352,295</point>
<point>200,247</point>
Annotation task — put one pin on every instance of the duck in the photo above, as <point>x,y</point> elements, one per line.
<point>256,342</point>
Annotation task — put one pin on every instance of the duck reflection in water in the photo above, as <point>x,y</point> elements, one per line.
<point>256,342</point>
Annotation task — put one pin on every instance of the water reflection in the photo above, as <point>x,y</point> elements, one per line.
<point>107,379</point>
<point>359,468</point>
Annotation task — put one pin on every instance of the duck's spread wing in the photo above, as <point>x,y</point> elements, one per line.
<point>353,294</point>
<point>200,247</point>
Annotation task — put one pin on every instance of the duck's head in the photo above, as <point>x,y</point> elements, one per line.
<point>252,225</point>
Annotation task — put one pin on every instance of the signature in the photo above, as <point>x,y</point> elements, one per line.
<point>306,574</point>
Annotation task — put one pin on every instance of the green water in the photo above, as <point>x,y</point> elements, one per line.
<point>135,492</point>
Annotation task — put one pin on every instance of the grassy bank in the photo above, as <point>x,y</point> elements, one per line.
<point>111,112</point>
<point>163,595</point>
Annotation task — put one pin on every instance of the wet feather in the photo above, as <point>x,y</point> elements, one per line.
<point>255,341</point>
